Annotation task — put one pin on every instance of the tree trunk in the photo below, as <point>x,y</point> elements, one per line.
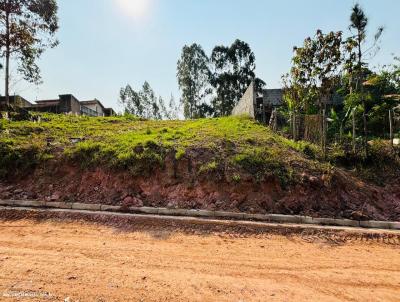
<point>354,131</point>
<point>360,80</point>
<point>7,75</point>
<point>391,128</point>
<point>351,82</point>
<point>7,80</point>
<point>365,130</point>
<point>324,132</point>
<point>294,127</point>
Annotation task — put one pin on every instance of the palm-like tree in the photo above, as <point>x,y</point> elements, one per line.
<point>359,22</point>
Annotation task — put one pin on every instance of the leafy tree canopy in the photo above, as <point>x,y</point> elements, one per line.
<point>193,75</point>
<point>27,28</point>
<point>315,71</point>
<point>234,69</point>
<point>146,104</point>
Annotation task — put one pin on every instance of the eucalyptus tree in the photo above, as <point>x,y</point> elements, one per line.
<point>130,101</point>
<point>149,102</point>
<point>27,28</point>
<point>233,70</point>
<point>193,75</point>
<point>172,112</point>
<point>144,103</point>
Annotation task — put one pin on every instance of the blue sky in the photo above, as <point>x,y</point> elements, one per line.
<point>105,44</point>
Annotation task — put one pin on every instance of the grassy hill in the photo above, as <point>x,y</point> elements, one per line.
<point>230,163</point>
<point>139,146</point>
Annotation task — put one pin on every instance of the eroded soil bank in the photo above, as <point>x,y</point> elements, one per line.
<point>178,184</point>
<point>230,163</point>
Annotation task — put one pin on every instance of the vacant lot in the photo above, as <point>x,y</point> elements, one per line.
<point>231,164</point>
<point>51,260</point>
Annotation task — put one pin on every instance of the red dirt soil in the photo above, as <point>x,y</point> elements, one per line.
<point>342,196</point>
<point>52,258</point>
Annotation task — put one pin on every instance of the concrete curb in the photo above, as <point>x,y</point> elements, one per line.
<point>86,207</point>
<point>29,203</point>
<point>58,205</point>
<point>335,222</point>
<point>276,218</point>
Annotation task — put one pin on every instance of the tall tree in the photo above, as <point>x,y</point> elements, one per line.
<point>27,28</point>
<point>143,103</point>
<point>396,73</point>
<point>315,71</point>
<point>149,101</point>
<point>298,97</point>
<point>313,77</point>
<point>131,101</point>
<point>193,75</point>
<point>381,96</point>
<point>172,111</point>
<point>359,23</point>
<point>234,69</point>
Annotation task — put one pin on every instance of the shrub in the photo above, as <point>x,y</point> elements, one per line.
<point>259,163</point>
<point>236,178</point>
<point>180,153</point>
<point>208,167</point>
<point>16,159</point>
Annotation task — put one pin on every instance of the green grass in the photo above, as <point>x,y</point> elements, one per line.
<point>139,146</point>
<point>208,167</point>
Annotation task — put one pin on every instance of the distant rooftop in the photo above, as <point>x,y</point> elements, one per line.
<point>93,102</point>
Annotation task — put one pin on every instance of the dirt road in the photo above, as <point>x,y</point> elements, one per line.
<point>54,260</point>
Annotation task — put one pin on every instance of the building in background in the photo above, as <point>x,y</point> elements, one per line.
<point>16,101</point>
<point>109,112</point>
<point>65,103</point>
<point>259,105</point>
<point>94,106</point>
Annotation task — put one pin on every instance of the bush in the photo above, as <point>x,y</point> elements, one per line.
<point>260,163</point>
<point>138,159</point>
<point>16,159</point>
<point>180,153</point>
<point>208,167</point>
<point>236,178</point>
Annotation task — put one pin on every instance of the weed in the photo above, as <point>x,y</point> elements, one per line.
<point>208,167</point>
<point>236,178</point>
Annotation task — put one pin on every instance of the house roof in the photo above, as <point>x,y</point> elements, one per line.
<point>14,98</point>
<point>47,101</point>
<point>93,102</point>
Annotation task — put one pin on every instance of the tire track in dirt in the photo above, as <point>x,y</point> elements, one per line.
<point>95,258</point>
